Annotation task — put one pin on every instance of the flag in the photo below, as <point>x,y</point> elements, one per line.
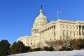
<point>59,11</point>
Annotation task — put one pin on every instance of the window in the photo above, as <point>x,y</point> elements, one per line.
<point>77,33</point>
<point>74,33</point>
<point>63,26</point>
<point>70,32</point>
<point>31,43</point>
<point>63,32</point>
<point>67,32</point>
<point>66,26</point>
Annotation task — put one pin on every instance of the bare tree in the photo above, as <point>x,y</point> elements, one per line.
<point>66,42</point>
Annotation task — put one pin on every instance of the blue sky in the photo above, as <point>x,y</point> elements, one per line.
<point>17,16</point>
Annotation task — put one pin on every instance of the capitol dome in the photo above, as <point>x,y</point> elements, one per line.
<point>40,20</point>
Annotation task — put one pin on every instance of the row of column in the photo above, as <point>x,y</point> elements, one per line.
<point>48,33</point>
<point>81,30</point>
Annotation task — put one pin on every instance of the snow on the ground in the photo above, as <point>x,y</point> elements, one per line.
<point>53,53</point>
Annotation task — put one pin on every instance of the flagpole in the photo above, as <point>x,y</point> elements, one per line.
<point>57,14</point>
<point>58,11</point>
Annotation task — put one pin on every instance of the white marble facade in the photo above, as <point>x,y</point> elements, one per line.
<point>51,31</point>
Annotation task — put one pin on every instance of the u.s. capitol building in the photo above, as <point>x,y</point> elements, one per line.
<point>43,31</point>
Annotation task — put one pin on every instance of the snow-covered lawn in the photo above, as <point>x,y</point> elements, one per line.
<point>53,53</point>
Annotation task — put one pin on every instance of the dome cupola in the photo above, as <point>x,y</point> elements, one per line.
<point>40,21</point>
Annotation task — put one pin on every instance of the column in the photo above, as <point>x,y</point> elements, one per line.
<point>78,30</point>
<point>81,30</point>
<point>51,33</point>
<point>54,31</point>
